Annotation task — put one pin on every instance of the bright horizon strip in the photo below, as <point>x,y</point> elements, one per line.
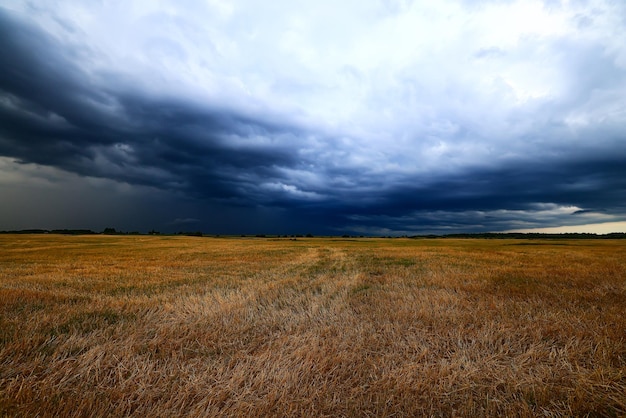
<point>597,228</point>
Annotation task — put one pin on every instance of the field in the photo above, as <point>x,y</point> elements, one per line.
<point>186,326</point>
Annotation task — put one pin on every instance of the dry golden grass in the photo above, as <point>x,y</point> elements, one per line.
<point>180,326</point>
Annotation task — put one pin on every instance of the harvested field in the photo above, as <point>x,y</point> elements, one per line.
<point>186,326</point>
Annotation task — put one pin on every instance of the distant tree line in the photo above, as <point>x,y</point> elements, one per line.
<point>486,235</point>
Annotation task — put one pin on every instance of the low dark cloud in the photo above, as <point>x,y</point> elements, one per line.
<point>55,114</point>
<point>276,172</point>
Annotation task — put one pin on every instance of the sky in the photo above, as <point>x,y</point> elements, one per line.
<point>368,117</point>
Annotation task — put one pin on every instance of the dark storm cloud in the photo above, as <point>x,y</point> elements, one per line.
<point>502,199</point>
<point>459,156</point>
<point>55,114</point>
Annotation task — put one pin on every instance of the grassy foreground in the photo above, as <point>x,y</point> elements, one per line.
<point>182,326</point>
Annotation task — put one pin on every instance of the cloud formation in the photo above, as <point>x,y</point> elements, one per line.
<point>373,117</point>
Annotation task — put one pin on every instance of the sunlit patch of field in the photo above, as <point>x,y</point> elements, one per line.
<point>187,326</point>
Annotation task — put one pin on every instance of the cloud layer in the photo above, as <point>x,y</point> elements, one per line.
<point>382,117</point>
